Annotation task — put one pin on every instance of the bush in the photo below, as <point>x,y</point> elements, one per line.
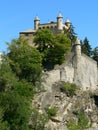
<point>83,121</point>
<point>38,121</point>
<point>81,124</point>
<point>73,126</point>
<point>69,88</point>
<point>51,111</point>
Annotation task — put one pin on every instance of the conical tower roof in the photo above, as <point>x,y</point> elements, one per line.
<point>59,15</point>
<point>67,20</point>
<point>37,18</point>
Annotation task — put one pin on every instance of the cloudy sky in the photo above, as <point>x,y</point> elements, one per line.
<point>18,15</point>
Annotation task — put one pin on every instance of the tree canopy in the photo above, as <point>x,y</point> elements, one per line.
<point>25,60</point>
<point>20,70</point>
<point>43,39</point>
<point>52,47</point>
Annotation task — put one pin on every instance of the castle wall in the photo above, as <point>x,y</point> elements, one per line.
<point>29,37</point>
<point>85,73</point>
<point>67,74</point>
<point>51,77</point>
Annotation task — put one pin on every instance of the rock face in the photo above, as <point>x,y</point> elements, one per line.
<point>67,106</point>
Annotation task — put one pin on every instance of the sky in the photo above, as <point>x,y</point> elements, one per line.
<point>19,15</point>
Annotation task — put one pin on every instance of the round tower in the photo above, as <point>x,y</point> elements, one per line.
<point>67,23</point>
<point>78,47</point>
<point>59,22</point>
<point>36,22</point>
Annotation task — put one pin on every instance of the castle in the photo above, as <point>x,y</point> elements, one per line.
<point>79,68</point>
<point>55,27</point>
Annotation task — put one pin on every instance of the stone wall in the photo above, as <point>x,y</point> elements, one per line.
<point>51,77</point>
<point>67,74</point>
<point>82,71</point>
<point>85,73</point>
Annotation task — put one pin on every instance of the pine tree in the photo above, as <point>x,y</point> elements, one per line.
<point>71,33</point>
<point>86,48</point>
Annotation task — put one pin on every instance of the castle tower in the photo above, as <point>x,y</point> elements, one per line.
<point>77,47</point>
<point>67,23</point>
<point>36,22</point>
<point>59,22</point>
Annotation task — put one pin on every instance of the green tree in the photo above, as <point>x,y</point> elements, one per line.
<point>15,100</point>
<point>16,111</point>
<point>54,55</point>
<point>3,124</point>
<point>63,40</point>
<point>86,48</point>
<point>7,77</point>
<point>18,70</point>
<point>25,60</point>
<point>43,39</point>
<point>52,47</point>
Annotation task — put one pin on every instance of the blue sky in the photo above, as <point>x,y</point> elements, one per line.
<point>18,15</point>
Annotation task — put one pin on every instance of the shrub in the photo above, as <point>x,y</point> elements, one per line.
<point>51,111</point>
<point>38,121</point>
<point>81,124</point>
<point>83,121</point>
<point>69,88</point>
<point>73,126</point>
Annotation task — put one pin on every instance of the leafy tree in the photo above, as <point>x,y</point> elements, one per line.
<point>86,48</point>
<point>25,60</point>
<point>20,68</point>
<point>95,54</point>
<point>63,40</point>
<point>53,56</point>
<point>7,77</point>
<point>43,39</point>
<point>15,99</point>
<point>24,89</point>
<point>16,110</point>
<point>3,124</point>
<point>52,47</point>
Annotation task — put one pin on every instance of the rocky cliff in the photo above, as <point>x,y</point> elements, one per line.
<point>76,108</point>
<point>68,107</point>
